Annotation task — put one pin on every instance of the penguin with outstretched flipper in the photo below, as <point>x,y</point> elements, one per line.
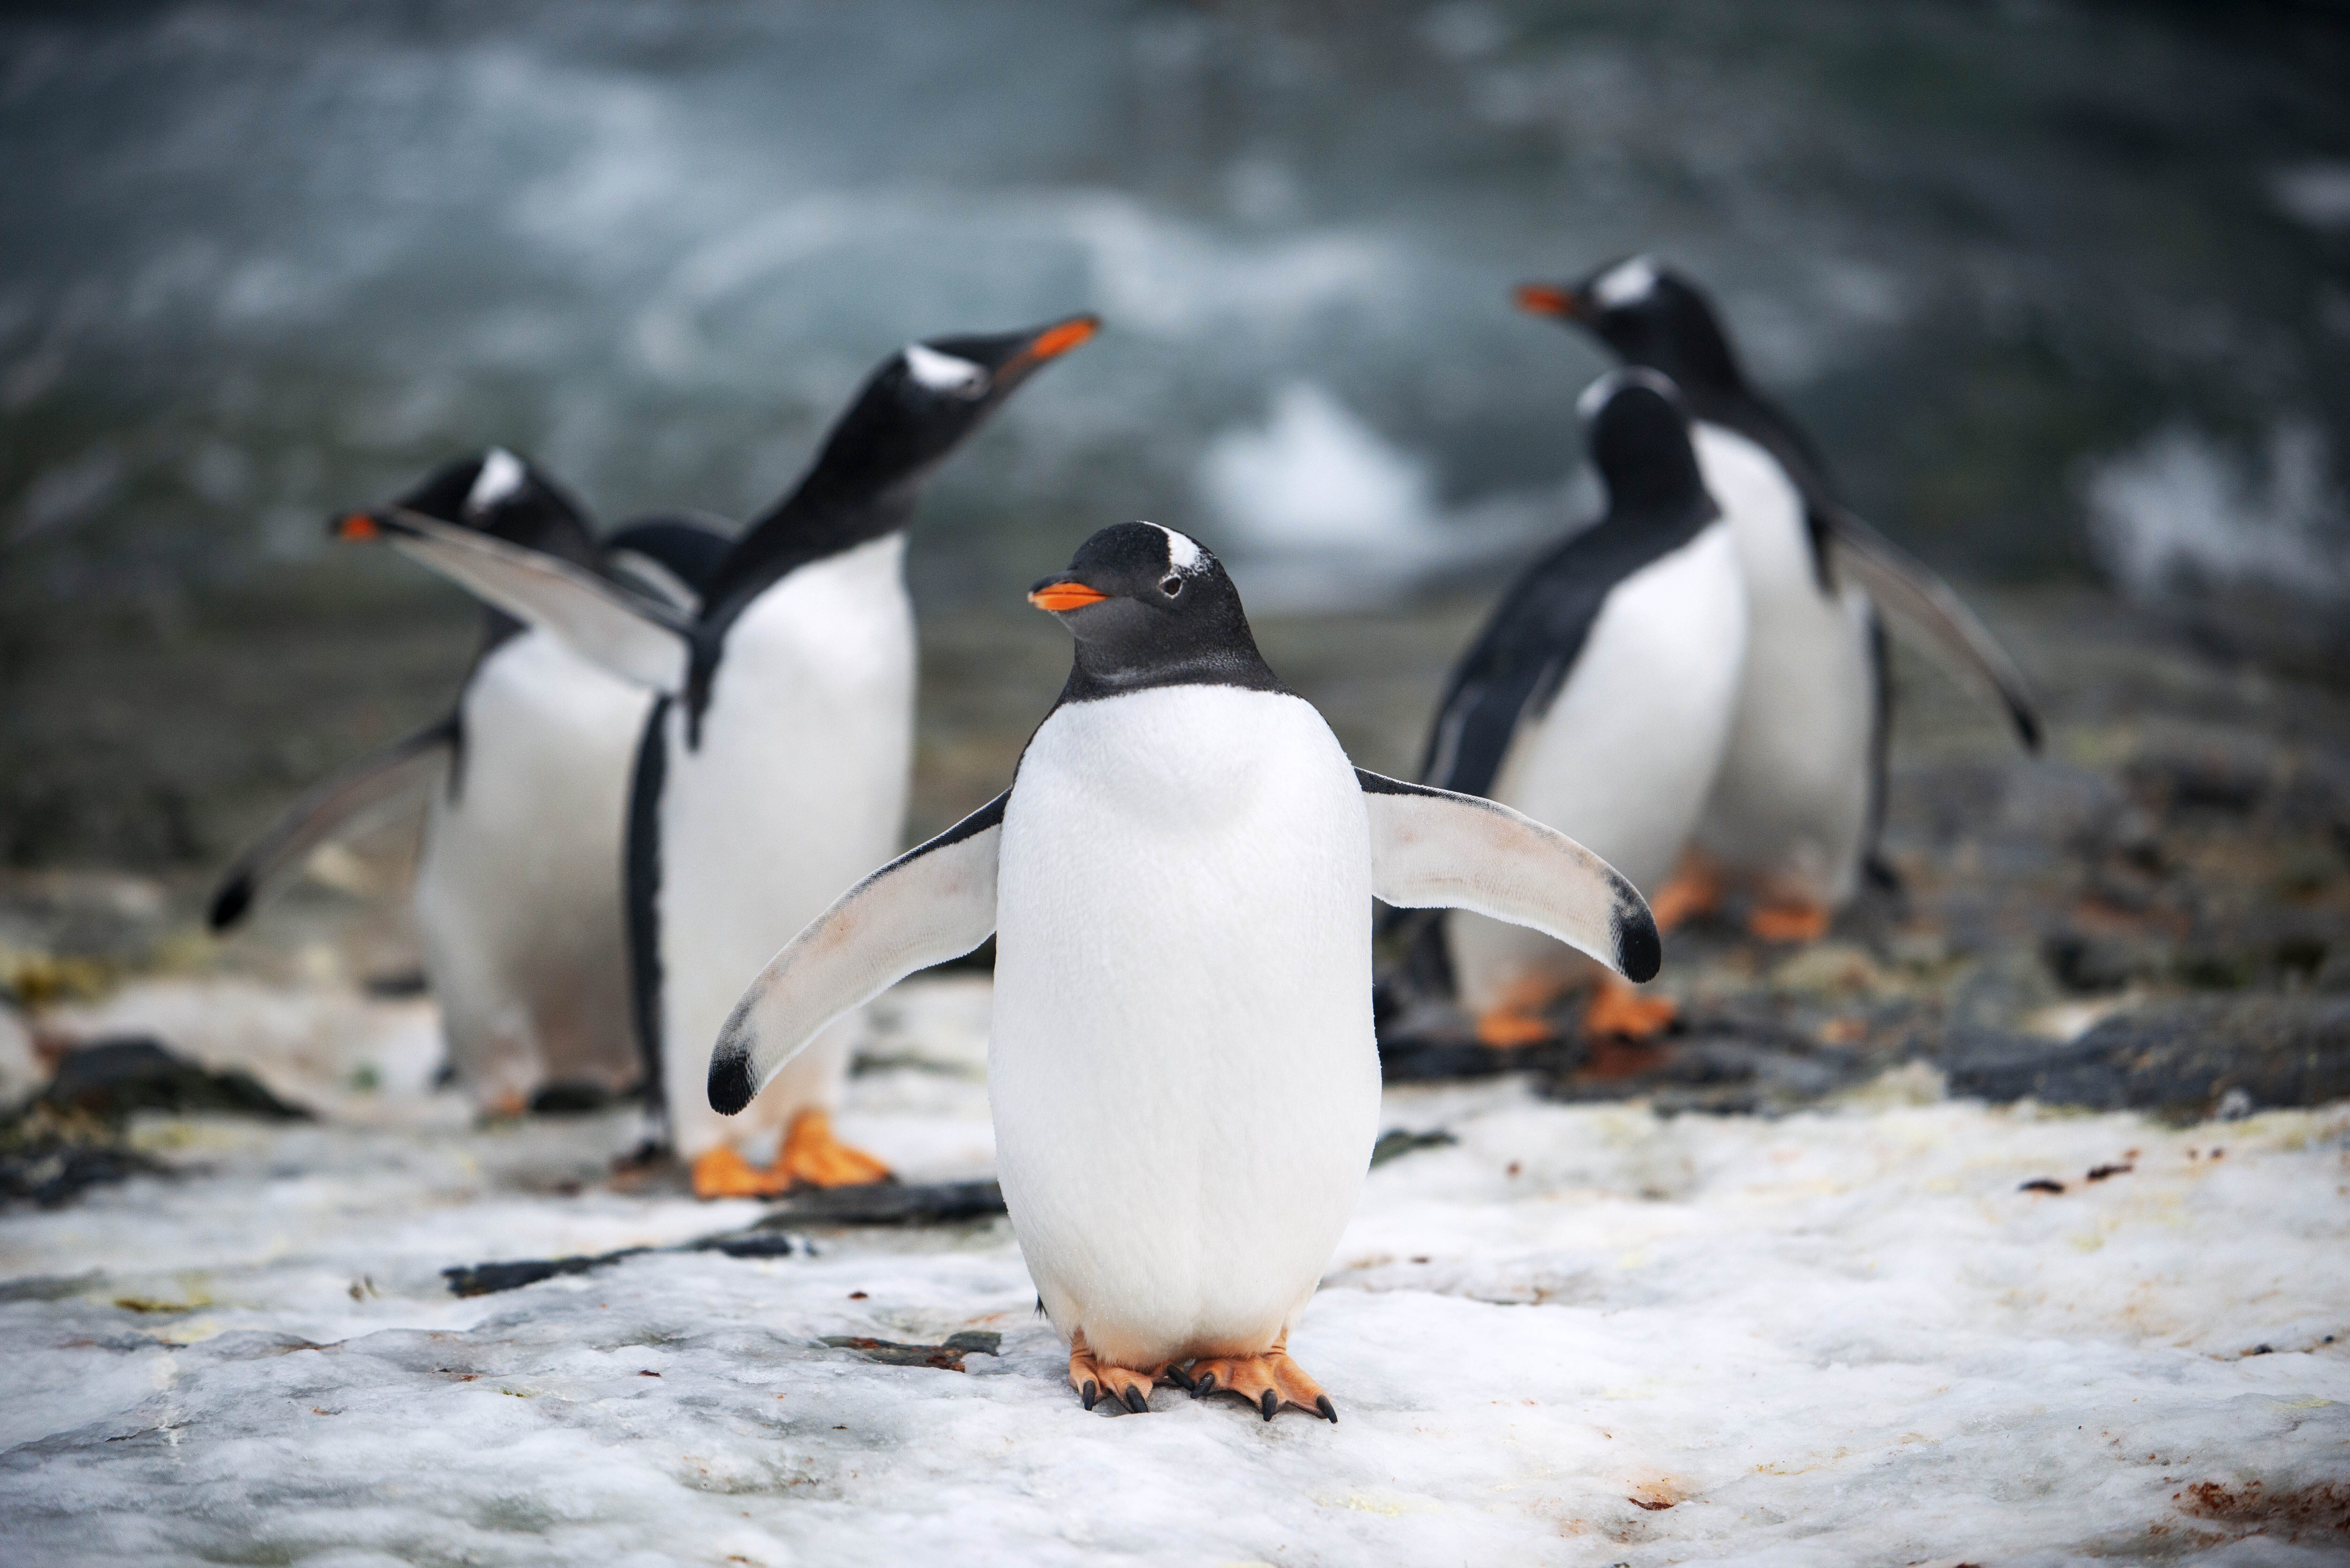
<point>1795,814</point>
<point>517,884</point>
<point>773,766</point>
<point>1180,1062</point>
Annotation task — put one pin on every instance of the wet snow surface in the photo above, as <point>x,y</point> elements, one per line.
<point>1580,1335</point>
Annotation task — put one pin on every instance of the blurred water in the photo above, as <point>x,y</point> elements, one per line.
<point>2017,264</point>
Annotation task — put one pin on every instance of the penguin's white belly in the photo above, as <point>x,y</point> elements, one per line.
<point>796,791</point>
<point>1624,758</point>
<point>1184,1079</point>
<point>518,891</point>
<point>1790,808</point>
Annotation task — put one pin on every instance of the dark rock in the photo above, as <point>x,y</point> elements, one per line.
<point>947,1357</point>
<point>1396,1142</point>
<point>887,1203</point>
<point>112,1078</point>
<point>489,1279</point>
<point>51,1171</point>
<point>2183,1058</point>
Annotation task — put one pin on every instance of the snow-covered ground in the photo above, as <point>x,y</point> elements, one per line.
<point>1579,1335</point>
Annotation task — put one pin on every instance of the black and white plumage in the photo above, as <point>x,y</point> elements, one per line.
<point>517,886</point>
<point>773,767</point>
<point>1798,807</point>
<point>1181,1066</point>
<point>1598,697</point>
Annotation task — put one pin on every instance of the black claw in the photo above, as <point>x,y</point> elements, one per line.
<point>1329,1411</point>
<point>1135,1401</point>
<point>1206,1385</point>
<point>1089,1394</point>
<point>1269,1404</point>
<point>1180,1377</point>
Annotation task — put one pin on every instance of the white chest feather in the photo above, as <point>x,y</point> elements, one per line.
<point>518,895</point>
<point>1181,1065</point>
<point>795,790</point>
<point>1791,802</point>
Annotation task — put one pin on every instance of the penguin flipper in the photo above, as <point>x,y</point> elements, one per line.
<point>935,902</point>
<point>1935,618</point>
<point>1433,849</point>
<point>326,810</point>
<point>637,638</point>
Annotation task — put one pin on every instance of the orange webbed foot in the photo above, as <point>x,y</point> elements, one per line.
<point>1616,1008</point>
<point>723,1173</point>
<point>1693,890</point>
<point>1267,1381</point>
<point>1127,1389</point>
<point>1517,1019</point>
<point>813,1157</point>
<point>1789,922</point>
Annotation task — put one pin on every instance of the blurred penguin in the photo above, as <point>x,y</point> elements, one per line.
<point>1598,701</point>
<point>517,890</point>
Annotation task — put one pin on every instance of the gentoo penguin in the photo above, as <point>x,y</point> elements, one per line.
<point>773,768</point>
<point>1795,810</point>
<point>519,881</point>
<point>1184,1081</point>
<point>1598,698</point>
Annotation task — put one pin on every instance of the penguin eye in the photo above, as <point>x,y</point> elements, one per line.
<point>1170,585</point>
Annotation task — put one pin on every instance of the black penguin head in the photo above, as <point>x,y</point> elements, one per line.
<point>1639,433</point>
<point>1151,606</point>
<point>925,398</point>
<point>501,494</point>
<point>1650,316</point>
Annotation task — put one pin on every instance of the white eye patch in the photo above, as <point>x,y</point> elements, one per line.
<point>1183,551</point>
<point>1627,284</point>
<point>944,372</point>
<point>502,474</point>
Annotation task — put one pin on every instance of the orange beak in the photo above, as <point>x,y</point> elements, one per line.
<point>1544,299</point>
<point>358,527</point>
<point>1055,341</point>
<point>1059,596</point>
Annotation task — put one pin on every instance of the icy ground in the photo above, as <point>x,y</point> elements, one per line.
<point>1579,1335</point>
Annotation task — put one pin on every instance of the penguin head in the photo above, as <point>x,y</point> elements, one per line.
<point>498,493</point>
<point>1638,432</point>
<point>925,398</point>
<point>1650,316</point>
<point>1151,606</point>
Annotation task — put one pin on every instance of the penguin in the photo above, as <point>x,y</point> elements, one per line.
<point>1797,809</point>
<point>1184,1082</point>
<point>772,766</point>
<point>1598,698</point>
<point>517,892</point>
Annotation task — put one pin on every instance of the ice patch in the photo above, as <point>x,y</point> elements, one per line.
<point>2179,510</point>
<point>1322,511</point>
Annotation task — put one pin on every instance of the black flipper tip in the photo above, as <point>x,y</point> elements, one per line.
<point>1090,1393</point>
<point>1135,1401</point>
<point>230,904</point>
<point>1329,1411</point>
<point>1269,1404</point>
<point>730,1083</point>
<point>1640,951</point>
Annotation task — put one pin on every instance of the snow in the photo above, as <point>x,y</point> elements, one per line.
<point>1579,1334</point>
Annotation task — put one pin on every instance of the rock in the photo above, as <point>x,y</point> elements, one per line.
<point>2182,1058</point>
<point>112,1078</point>
<point>887,1203</point>
<point>1396,1142</point>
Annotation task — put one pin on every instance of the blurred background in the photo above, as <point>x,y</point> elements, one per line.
<point>2063,288</point>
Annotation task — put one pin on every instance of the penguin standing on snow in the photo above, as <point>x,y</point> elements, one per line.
<point>1181,1066</point>
<point>773,768</point>
<point>517,884</point>
<point>1796,810</point>
<point>1598,700</point>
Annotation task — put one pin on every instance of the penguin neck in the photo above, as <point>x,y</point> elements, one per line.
<point>828,514</point>
<point>1227,658</point>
